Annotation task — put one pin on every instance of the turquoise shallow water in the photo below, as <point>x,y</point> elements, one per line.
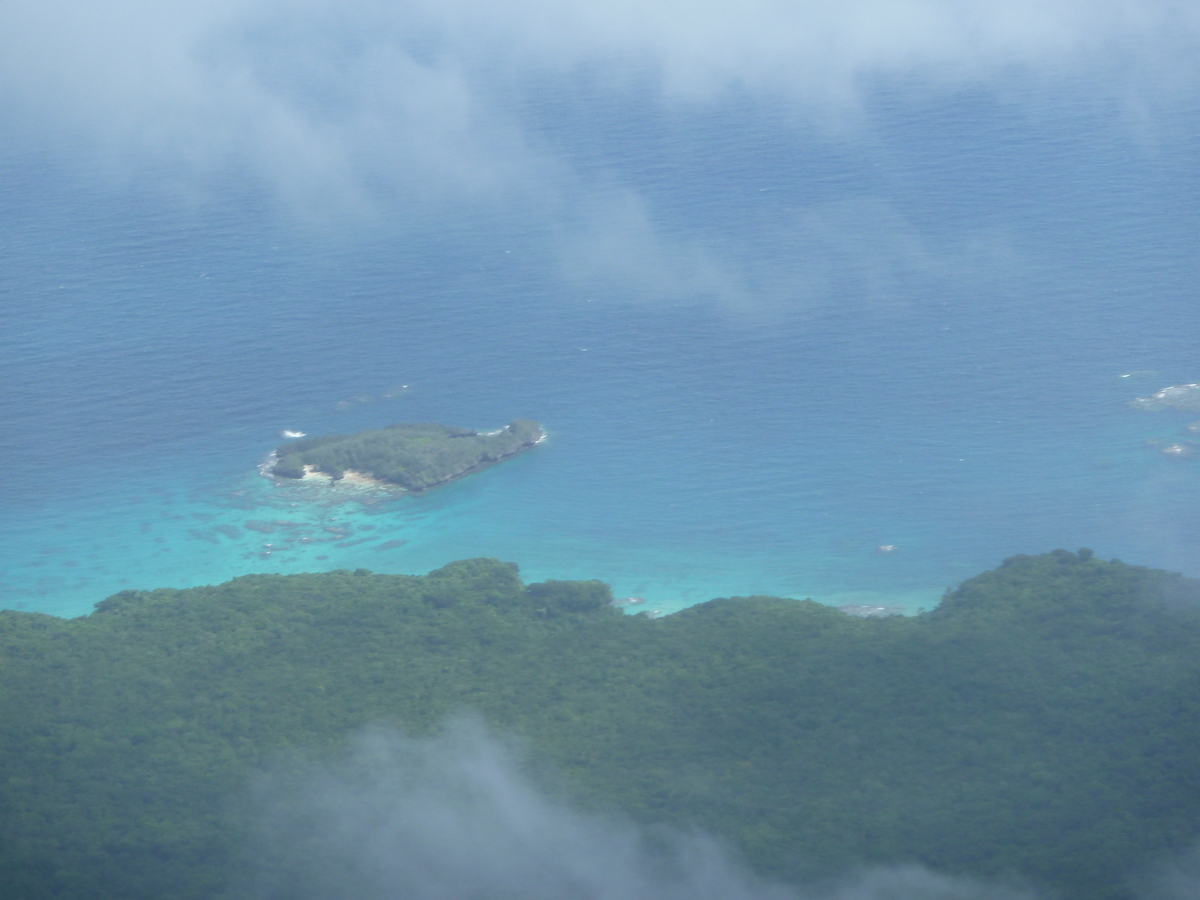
<point>675,517</point>
<point>869,385</point>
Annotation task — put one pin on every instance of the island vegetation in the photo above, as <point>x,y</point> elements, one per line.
<point>411,456</point>
<point>1039,726</point>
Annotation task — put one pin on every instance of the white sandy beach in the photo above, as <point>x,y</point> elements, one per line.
<point>349,478</point>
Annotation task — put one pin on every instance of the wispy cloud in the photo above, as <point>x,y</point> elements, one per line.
<point>1178,879</point>
<point>436,107</point>
<point>370,87</point>
<point>860,250</point>
<point>455,817</point>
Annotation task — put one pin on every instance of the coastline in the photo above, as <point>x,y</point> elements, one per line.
<point>477,467</point>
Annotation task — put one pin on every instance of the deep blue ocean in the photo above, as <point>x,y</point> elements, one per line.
<point>953,382</point>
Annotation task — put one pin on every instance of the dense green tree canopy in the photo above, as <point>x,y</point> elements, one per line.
<point>1041,724</point>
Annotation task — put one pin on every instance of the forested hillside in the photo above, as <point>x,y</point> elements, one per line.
<point>1041,724</point>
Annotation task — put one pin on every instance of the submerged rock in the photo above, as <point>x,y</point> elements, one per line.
<point>1176,396</point>
<point>1178,450</point>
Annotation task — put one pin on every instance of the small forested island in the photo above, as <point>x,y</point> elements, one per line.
<point>1039,728</point>
<point>412,456</point>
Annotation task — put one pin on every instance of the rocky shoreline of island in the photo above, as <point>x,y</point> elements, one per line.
<point>407,457</point>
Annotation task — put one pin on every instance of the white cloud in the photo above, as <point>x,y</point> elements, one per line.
<point>435,106</point>
<point>455,817</point>
<point>424,85</point>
